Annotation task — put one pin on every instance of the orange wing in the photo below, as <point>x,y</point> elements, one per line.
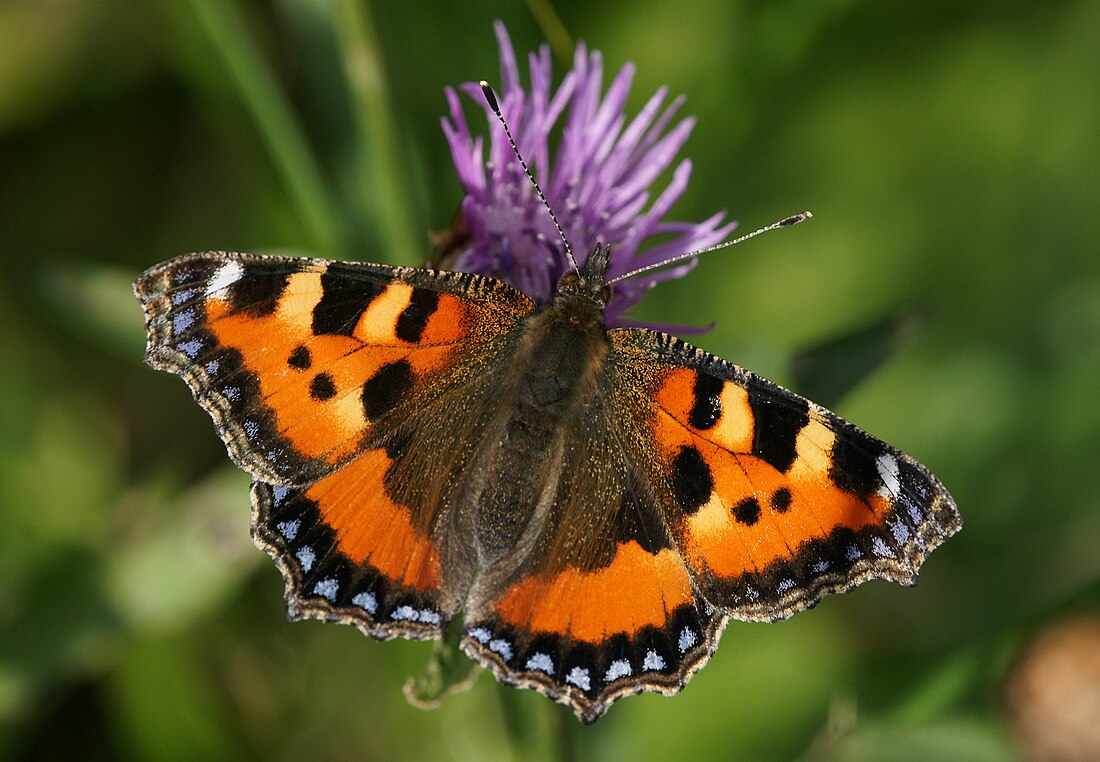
<point>347,390</point>
<point>298,360</point>
<point>352,551</point>
<point>772,500</point>
<point>690,492</point>
<point>602,609</point>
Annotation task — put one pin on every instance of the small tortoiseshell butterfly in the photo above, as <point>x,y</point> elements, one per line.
<point>592,505</point>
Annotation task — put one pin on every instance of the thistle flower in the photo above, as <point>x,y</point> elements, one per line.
<point>597,181</point>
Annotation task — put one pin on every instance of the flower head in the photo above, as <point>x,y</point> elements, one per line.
<point>597,181</point>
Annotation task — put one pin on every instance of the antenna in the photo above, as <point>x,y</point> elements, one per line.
<point>491,99</point>
<point>786,222</point>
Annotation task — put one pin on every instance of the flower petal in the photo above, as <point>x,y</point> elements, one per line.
<point>598,180</point>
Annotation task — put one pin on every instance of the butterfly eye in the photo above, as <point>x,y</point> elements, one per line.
<point>568,279</point>
<point>606,293</point>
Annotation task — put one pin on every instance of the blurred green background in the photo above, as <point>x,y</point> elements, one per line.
<point>949,154</point>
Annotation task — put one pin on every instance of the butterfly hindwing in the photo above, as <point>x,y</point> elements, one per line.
<point>349,550</point>
<point>775,501</point>
<point>298,359</point>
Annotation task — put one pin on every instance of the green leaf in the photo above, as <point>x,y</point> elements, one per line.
<point>380,185</point>
<point>164,704</point>
<point>198,555</point>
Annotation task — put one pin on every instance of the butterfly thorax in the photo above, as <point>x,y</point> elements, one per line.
<point>564,344</point>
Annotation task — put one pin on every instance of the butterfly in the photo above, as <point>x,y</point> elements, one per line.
<point>591,505</point>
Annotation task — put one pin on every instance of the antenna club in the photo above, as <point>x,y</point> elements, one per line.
<point>490,96</point>
<point>794,219</point>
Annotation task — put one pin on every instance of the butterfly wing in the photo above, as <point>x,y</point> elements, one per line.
<point>348,391</point>
<point>352,550</point>
<point>692,492</point>
<point>298,359</point>
<point>775,502</point>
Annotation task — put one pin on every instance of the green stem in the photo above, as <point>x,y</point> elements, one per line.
<point>565,732</point>
<point>382,178</point>
<point>552,27</point>
<point>274,120</point>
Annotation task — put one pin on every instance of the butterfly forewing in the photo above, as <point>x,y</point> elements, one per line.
<point>298,359</point>
<point>774,501</point>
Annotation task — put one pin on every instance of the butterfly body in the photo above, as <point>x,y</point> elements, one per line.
<point>593,505</point>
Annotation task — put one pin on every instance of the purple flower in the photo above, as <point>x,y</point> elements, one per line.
<point>597,181</point>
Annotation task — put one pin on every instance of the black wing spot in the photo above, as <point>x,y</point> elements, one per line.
<point>322,387</point>
<point>384,389</point>
<point>191,273</point>
<point>855,464</point>
<point>300,358</point>
<point>414,318</point>
<point>747,512</point>
<point>776,423</point>
<point>692,481</point>
<point>343,301</point>
<point>707,408</point>
<point>781,500</point>
<point>256,292</point>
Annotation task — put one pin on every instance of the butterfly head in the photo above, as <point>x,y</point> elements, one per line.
<point>589,281</point>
